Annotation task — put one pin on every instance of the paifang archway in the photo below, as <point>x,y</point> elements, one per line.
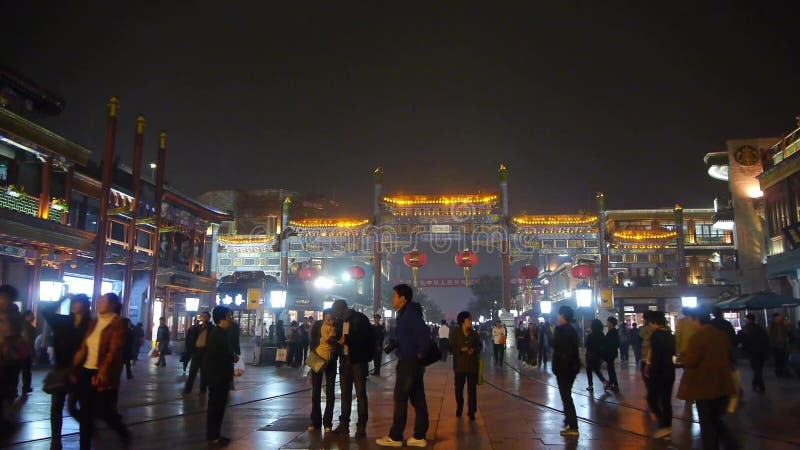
<point>479,222</point>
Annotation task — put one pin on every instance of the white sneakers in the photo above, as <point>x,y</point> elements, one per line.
<point>662,433</point>
<point>411,442</point>
<point>386,441</point>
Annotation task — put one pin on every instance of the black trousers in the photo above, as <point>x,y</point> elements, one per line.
<point>499,353</point>
<point>757,363</point>
<point>27,363</point>
<point>57,402</point>
<point>217,401</point>
<point>97,405</point>
<point>471,379</point>
<point>197,366</point>
<point>409,386</point>
<point>712,428</point>
<point>377,360</point>
<point>317,418</point>
<point>542,356</point>
<point>353,374</point>
<point>659,399</point>
<point>444,347</point>
<point>624,352</point>
<point>162,355</point>
<point>565,382</point>
<point>305,353</point>
<point>780,361</point>
<point>593,366</point>
<point>612,371</point>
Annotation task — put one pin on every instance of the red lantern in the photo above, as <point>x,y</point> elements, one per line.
<point>415,259</point>
<point>582,271</point>
<point>308,273</point>
<point>357,272</point>
<point>528,272</point>
<point>466,259</point>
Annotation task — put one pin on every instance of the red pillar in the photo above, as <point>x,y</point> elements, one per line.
<point>105,193</point>
<point>162,158</point>
<point>377,245</point>
<point>44,197</point>
<point>133,234</point>
<point>505,246</point>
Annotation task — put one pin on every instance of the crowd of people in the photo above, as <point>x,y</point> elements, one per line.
<point>90,349</point>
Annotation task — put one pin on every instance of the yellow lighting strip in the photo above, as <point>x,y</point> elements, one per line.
<point>245,240</point>
<point>556,220</point>
<point>413,200</point>
<point>645,235</point>
<point>329,223</point>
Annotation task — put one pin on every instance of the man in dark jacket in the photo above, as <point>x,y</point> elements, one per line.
<point>412,341</point>
<point>465,345</point>
<point>379,332</point>
<point>755,344</point>
<point>68,334</point>
<point>543,337</point>
<point>196,343</point>
<point>357,346</point>
<point>566,365</point>
<point>661,374</point>
<point>610,352</point>
<point>162,342</point>
<point>218,370</point>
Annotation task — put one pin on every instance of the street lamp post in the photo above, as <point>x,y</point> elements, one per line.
<point>583,298</point>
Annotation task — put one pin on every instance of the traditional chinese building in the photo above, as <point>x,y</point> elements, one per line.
<point>50,215</point>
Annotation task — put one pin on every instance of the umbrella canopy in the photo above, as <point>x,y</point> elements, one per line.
<point>759,300</point>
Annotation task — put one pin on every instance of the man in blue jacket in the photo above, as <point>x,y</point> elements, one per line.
<point>412,341</point>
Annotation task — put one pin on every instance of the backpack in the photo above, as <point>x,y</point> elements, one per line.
<point>433,354</point>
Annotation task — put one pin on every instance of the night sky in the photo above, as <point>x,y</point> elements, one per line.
<point>576,98</point>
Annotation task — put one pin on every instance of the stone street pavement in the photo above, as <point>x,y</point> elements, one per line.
<point>519,408</point>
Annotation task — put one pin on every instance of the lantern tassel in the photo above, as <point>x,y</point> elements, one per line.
<point>416,275</point>
<point>466,275</point>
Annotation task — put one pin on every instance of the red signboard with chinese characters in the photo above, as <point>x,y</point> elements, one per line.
<point>460,282</point>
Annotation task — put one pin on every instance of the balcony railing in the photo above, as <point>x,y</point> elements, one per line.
<point>25,204</point>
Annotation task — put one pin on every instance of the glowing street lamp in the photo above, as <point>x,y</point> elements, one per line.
<point>546,306</point>
<point>689,302</point>
<point>583,296</point>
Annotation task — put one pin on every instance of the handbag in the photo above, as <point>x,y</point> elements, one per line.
<point>56,381</point>
<point>281,354</point>
<point>316,362</point>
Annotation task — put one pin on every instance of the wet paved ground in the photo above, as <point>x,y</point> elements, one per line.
<point>519,408</point>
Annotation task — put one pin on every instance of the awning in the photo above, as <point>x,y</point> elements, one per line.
<point>759,300</point>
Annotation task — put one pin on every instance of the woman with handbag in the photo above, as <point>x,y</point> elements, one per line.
<point>323,346</point>
<point>68,333</point>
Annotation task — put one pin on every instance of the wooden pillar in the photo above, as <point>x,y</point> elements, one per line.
<point>680,257</point>
<point>133,234</point>
<point>505,246</point>
<point>105,193</point>
<point>44,196</point>
<point>377,244</point>
<point>68,182</point>
<point>284,240</point>
<point>192,242</point>
<point>33,286</point>
<point>601,240</point>
<point>159,197</point>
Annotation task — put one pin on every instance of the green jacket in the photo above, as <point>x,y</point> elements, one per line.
<point>463,362</point>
